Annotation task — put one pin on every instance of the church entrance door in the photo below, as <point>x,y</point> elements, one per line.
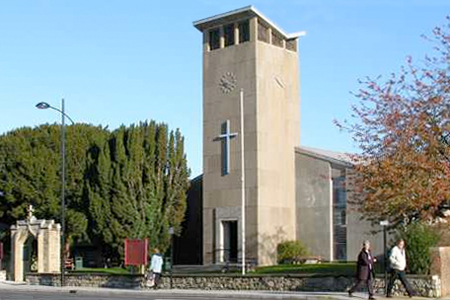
<point>230,241</point>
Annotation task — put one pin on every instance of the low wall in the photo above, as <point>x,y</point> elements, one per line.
<point>426,286</point>
<point>2,275</point>
<point>88,279</point>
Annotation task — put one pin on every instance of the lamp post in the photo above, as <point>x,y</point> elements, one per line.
<point>171,232</point>
<point>44,105</point>
<point>385,224</point>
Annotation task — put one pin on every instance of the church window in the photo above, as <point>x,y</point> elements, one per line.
<point>244,31</point>
<point>262,32</point>
<point>228,32</point>
<point>214,39</point>
<point>277,40</point>
<point>339,214</point>
<point>343,217</point>
<point>291,45</point>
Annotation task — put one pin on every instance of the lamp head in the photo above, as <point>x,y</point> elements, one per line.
<point>42,105</point>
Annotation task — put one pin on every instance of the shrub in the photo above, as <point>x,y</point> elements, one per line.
<point>419,238</point>
<point>291,251</point>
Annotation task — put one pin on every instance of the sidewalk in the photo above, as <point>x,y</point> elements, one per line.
<point>9,285</point>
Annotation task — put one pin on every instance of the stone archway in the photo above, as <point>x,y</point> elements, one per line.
<point>47,235</point>
<point>29,257</point>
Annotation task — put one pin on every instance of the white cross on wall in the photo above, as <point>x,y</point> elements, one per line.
<point>226,137</point>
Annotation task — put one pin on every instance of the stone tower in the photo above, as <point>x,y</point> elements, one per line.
<point>245,51</point>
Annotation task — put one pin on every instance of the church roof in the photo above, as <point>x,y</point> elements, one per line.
<point>331,156</point>
<point>241,13</point>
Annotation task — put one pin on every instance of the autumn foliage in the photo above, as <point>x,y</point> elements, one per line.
<point>402,127</point>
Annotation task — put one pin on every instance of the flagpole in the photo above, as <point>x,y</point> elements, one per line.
<point>242,179</point>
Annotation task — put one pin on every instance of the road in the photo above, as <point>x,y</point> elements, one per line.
<point>27,292</point>
<point>59,295</point>
<point>11,291</point>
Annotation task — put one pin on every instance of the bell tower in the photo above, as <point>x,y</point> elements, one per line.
<point>244,52</point>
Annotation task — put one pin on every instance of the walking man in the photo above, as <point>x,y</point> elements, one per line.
<point>398,266</point>
<point>365,272</point>
<point>156,267</point>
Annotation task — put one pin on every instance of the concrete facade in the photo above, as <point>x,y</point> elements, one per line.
<point>278,123</point>
<point>316,208</point>
<point>314,205</point>
<point>291,192</point>
<point>359,230</point>
<point>268,76</point>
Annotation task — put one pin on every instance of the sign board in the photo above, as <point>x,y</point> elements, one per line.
<point>384,223</point>
<point>136,252</point>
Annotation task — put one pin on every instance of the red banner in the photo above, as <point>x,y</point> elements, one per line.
<point>136,252</point>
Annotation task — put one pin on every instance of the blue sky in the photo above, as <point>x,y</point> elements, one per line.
<point>121,62</point>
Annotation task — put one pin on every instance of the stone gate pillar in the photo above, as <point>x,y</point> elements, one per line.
<point>47,234</point>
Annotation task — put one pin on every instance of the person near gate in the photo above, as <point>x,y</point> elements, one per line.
<point>365,270</point>
<point>156,267</point>
<point>397,260</point>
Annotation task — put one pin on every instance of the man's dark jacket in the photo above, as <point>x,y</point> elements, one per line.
<point>365,265</point>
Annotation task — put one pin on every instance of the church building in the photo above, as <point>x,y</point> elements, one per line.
<point>259,186</point>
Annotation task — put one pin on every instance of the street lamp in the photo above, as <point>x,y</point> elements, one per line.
<point>44,105</point>
<point>385,224</point>
<point>171,232</point>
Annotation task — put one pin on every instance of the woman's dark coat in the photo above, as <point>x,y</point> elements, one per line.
<point>364,265</point>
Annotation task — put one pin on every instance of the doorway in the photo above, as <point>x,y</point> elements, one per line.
<point>230,241</point>
<point>29,255</point>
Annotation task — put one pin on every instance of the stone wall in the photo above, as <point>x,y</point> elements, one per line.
<point>440,266</point>
<point>426,286</point>
<point>89,280</point>
<point>2,275</point>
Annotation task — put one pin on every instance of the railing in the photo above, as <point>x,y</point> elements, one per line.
<point>222,257</point>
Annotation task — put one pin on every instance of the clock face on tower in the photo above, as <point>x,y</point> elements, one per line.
<point>227,82</point>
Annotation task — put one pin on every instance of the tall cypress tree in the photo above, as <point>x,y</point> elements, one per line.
<point>30,168</point>
<point>122,205</point>
<point>129,183</point>
<point>97,193</point>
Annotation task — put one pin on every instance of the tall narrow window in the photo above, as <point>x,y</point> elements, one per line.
<point>339,215</point>
<point>277,40</point>
<point>214,39</point>
<point>262,32</point>
<point>244,31</point>
<point>228,32</point>
<point>291,45</point>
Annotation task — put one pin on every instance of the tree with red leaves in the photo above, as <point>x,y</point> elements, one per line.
<point>402,127</point>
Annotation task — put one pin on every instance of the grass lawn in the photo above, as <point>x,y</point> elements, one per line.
<point>323,268</point>
<point>346,269</point>
<point>112,271</point>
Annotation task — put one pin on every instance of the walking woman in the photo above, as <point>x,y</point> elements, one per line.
<point>156,267</point>
<point>365,271</point>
